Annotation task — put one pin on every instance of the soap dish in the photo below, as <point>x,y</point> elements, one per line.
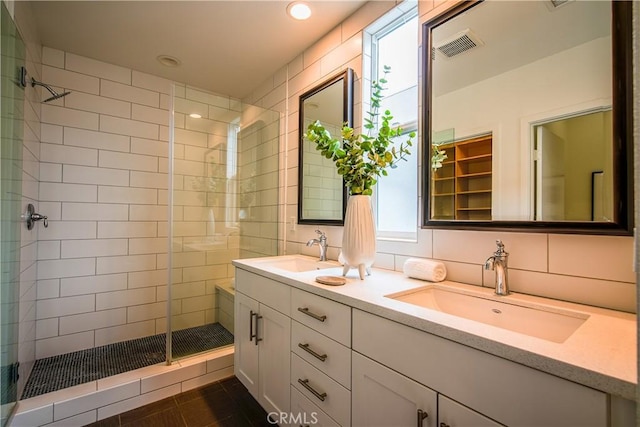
<point>331,280</point>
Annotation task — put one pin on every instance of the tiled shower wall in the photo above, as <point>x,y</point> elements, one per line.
<point>258,209</point>
<point>322,193</point>
<point>595,270</point>
<point>103,183</point>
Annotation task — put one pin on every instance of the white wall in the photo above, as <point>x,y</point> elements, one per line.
<point>594,270</point>
<point>488,107</point>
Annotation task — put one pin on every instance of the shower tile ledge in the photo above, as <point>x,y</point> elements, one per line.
<point>119,393</point>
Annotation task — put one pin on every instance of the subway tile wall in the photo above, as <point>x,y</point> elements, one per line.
<point>86,188</point>
<point>594,270</point>
<point>322,193</point>
<point>102,262</point>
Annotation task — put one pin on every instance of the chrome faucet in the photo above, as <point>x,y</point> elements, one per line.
<point>498,263</point>
<point>321,241</point>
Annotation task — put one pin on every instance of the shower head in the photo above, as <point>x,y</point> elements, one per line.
<point>54,94</point>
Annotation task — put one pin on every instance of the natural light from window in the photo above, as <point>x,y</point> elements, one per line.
<point>396,195</point>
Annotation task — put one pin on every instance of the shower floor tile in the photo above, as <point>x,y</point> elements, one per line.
<point>67,370</point>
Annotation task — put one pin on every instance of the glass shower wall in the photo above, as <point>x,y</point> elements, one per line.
<point>224,171</point>
<point>12,56</point>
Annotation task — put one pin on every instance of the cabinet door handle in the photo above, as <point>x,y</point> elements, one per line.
<point>444,425</point>
<point>251,334</point>
<point>305,384</point>
<point>306,311</point>
<point>258,317</point>
<point>305,347</point>
<point>421,416</point>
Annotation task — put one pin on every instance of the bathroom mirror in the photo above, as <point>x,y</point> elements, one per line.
<point>321,192</point>
<point>528,116</point>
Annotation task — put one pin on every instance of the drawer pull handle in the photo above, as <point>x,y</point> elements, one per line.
<point>305,384</point>
<point>305,347</point>
<point>421,416</point>
<point>306,311</point>
<point>444,425</point>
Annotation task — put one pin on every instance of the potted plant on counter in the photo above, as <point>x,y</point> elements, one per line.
<point>361,158</point>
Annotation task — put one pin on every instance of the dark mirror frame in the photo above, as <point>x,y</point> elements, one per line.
<point>622,86</point>
<point>347,107</point>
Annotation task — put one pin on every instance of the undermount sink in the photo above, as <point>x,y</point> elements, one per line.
<point>551,324</point>
<point>298,263</point>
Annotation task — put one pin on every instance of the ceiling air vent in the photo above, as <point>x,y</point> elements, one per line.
<point>459,43</point>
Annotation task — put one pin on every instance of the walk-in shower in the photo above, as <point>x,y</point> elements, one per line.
<point>134,267</point>
<point>223,172</point>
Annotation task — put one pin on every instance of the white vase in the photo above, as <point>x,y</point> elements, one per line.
<point>359,236</point>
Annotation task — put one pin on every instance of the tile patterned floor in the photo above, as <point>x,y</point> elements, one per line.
<point>70,369</point>
<point>225,403</point>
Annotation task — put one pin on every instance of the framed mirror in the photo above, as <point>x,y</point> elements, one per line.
<point>322,195</point>
<point>528,118</point>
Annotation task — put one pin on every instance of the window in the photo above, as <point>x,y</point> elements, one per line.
<point>393,41</point>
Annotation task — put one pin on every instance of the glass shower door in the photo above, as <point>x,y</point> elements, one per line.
<point>224,168</point>
<point>12,55</point>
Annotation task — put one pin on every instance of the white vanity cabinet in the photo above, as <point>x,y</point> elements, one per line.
<point>382,397</point>
<point>318,362</point>
<point>262,339</point>
<point>321,357</point>
<point>491,388</point>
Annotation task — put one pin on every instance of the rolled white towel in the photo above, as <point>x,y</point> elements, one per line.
<point>425,269</point>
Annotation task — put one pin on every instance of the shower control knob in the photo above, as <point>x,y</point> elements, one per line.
<point>38,217</point>
<point>31,217</point>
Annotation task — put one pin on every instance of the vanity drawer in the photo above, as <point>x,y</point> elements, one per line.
<point>505,391</point>
<point>328,317</point>
<point>326,393</point>
<point>269,292</point>
<point>327,355</point>
<point>308,412</point>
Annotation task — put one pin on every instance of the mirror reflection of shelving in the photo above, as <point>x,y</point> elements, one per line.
<point>462,186</point>
<point>444,186</point>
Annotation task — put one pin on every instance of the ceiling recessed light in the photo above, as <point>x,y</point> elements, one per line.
<point>195,116</point>
<point>299,10</point>
<point>168,61</point>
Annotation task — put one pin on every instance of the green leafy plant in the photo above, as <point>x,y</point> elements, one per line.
<point>438,156</point>
<point>362,158</point>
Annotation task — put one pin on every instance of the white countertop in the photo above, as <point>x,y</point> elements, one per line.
<point>601,354</point>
